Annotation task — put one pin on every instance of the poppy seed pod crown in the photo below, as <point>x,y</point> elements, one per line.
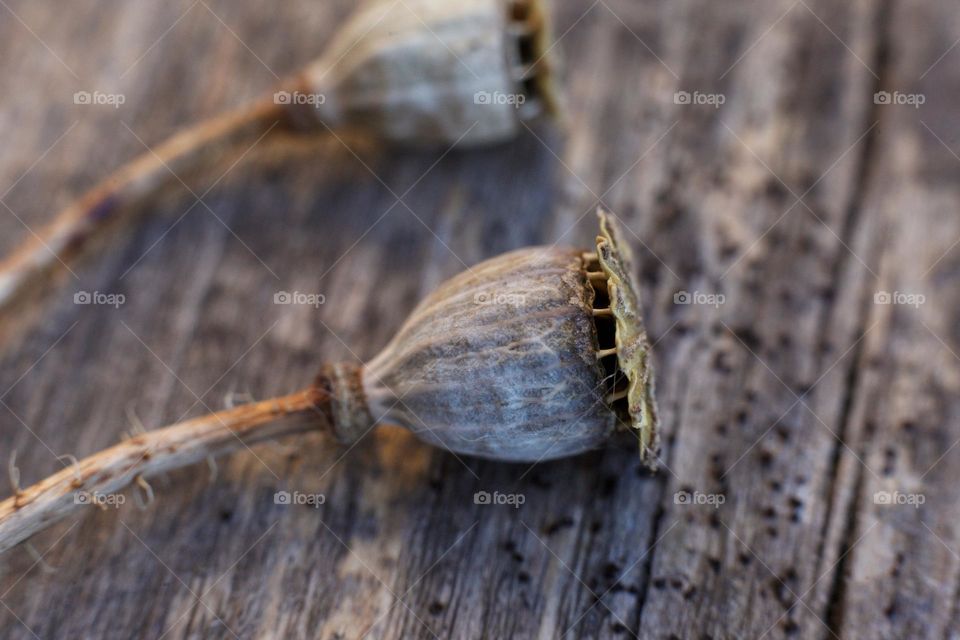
<point>435,71</point>
<point>536,354</point>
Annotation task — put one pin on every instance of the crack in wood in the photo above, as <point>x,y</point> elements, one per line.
<point>867,160</point>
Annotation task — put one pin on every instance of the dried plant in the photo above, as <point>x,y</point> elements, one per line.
<point>533,355</point>
<point>416,72</point>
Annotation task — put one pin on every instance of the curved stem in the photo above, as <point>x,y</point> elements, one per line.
<point>35,508</point>
<point>75,225</point>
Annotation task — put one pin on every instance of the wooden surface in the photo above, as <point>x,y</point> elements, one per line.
<point>797,399</point>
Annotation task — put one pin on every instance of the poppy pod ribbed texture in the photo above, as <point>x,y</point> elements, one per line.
<point>536,354</point>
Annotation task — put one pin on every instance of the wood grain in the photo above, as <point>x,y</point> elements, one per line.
<point>797,397</point>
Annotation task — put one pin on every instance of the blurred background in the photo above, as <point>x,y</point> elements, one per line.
<point>787,175</point>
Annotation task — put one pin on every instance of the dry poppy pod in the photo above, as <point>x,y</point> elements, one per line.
<point>414,72</point>
<point>435,71</point>
<point>536,354</point>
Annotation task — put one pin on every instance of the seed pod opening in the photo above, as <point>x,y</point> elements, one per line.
<point>528,46</point>
<point>632,380</point>
<point>536,354</point>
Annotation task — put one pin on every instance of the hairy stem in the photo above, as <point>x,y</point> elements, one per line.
<point>111,199</point>
<point>35,508</point>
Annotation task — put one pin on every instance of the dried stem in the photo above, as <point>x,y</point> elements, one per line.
<point>112,198</point>
<point>35,508</point>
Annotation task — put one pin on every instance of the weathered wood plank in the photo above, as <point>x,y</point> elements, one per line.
<point>900,574</point>
<point>796,399</point>
<point>763,374</point>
